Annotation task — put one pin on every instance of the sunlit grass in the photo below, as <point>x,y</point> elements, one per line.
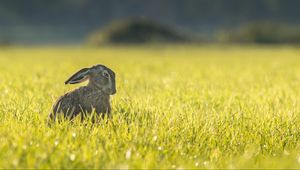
<point>176,107</point>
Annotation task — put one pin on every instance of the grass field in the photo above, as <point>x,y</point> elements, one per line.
<point>176,107</point>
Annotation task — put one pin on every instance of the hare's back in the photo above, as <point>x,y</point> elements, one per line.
<point>67,103</point>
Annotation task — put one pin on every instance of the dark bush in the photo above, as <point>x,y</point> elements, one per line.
<point>4,43</point>
<point>135,31</point>
<point>264,33</point>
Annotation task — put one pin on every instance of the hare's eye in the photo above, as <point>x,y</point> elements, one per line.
<point>105,74</point>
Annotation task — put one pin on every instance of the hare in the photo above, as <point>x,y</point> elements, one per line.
<point>95,96</point>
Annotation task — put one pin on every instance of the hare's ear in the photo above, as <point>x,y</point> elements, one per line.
<point>79,77</point>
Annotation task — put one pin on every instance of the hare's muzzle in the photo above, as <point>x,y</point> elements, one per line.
<point>113,91</point>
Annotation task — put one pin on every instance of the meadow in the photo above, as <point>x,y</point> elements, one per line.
<point>175,107</point>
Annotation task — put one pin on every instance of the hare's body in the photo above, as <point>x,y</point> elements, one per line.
<point>93,97</point>
<point>82,100</point>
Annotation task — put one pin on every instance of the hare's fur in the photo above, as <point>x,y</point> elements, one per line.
<point>87,99</point>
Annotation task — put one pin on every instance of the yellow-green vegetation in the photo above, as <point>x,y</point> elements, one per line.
<point>176,107</point>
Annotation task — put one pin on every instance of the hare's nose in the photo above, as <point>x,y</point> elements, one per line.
<point>114,91</point>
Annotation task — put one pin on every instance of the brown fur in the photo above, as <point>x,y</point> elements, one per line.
<point>93,97</point>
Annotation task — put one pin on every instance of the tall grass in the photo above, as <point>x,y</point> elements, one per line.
<point>176,107</point>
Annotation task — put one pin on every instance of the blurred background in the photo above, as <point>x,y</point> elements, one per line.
<point>96,22</point>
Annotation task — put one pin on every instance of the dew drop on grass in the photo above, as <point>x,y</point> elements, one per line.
<point>128,154</point>
<point>197,164</point>
<point>155,138</point>
<point>44,156</point>
<point>231,166</point>
<point>125,167</point>
<point>15,162</point>
<point>159,148</point>
<point>285,152</point>
<point>56,143</point>
<point>72,157</point>
<point>74,135</point>
<point>298,159</point>
<point>205,163</point>
<point>6,91</point>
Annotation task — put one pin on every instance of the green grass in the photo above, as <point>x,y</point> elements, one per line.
<point>176,107</point>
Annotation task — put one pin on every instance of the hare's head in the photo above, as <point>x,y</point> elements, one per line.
<point>99,76</point>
